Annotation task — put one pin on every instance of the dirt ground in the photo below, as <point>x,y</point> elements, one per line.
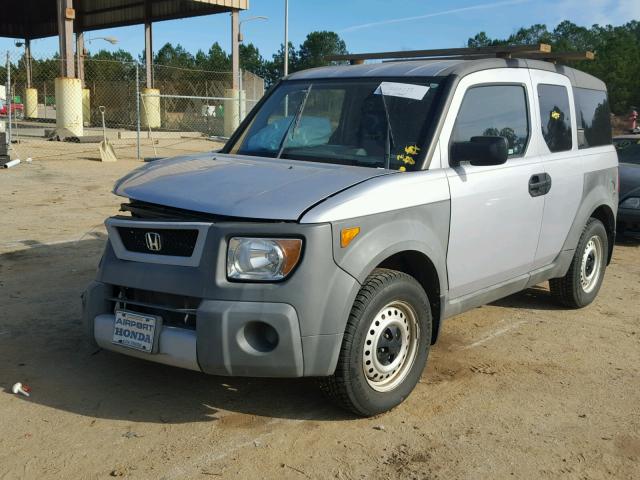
<point>517,389</point>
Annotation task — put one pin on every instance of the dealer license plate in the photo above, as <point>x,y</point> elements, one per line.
<point>134,330</point>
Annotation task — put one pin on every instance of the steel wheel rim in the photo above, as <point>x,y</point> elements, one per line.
<point>591,264</point>
<point>391,346</point>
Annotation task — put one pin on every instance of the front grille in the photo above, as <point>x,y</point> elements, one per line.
<point>175,310</point>
<point>174,242</point>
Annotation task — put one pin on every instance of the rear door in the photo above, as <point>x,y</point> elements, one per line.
<point>563,162</point>
<point>495,219</point>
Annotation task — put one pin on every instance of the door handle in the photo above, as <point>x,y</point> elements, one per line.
<point>539,184</point>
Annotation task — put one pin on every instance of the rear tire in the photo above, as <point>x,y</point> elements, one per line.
<point>580,286</point>
<point>385,345</point>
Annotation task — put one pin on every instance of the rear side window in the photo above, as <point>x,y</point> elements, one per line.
<point>594,117</point>
<point>494,110</point>
<point>555,117</point>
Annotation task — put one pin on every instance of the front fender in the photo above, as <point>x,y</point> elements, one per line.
<point>424,229</point>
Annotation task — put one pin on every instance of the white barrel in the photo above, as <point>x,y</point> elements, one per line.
<point>86,107</point>
<point>31,103</point>
<point>235,107</point>
<point>150,108</point>
<point>69,105</point>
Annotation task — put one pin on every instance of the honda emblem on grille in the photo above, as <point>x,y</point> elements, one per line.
<point>153,241</point>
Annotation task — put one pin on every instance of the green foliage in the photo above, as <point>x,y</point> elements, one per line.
<point>317,46</point>
<point>617,52</point>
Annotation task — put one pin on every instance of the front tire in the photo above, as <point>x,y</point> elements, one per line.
<point>580,286</point>
<point>385,345</point>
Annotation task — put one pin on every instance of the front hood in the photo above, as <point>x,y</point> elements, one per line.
<point>629,180</point>
<point>237,186</point>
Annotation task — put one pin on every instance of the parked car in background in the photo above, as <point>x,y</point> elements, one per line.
<point>17,109</point>
<point>628,148</point>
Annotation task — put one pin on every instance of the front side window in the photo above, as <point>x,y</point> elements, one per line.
<point>379,123</point>
<point>555,117</point>
<point>494,110</point>
<point>594,117</point>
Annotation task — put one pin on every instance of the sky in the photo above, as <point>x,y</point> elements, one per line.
<point>365,25</point>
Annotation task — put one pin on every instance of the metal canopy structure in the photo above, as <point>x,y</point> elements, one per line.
<point>70,19</point>
<point>31,19</point>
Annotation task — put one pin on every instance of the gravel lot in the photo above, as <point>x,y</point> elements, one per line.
<point>516,389</point>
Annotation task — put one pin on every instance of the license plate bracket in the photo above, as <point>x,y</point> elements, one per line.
<point>137,331</point>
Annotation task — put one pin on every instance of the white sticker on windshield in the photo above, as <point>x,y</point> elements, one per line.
<point>403,90</point>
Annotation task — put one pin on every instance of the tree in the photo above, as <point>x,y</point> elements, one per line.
<point>617,51</point>
<point>273,70</point>
<point>311,53</point>
<point>250,59</point>
<point>171,56</point>
<point>217,59</point>
<point>317,46</point>
<point>480,40</point>
<point>107,66</point>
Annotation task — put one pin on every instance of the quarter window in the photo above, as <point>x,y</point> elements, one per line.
<point>494,110</point>
<point>594,117</point>
<point>555,117</point>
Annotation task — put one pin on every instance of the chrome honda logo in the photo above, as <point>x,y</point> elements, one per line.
<point>153,241</point>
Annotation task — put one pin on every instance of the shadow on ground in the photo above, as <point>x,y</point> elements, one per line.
<point>539,297</point>
<point>42,344</point>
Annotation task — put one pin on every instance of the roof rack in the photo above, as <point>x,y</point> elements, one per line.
<point>541,51</point>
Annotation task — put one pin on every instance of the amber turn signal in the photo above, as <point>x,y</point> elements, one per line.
<point>347,235</point>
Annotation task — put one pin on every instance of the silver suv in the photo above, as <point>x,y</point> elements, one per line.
<point>354,210</point>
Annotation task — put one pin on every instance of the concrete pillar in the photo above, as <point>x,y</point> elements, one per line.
<point>86,107</point>
<point>235,50</point>
<point>150,113</point>
<point>234,109</point>
<point>66,15</point>
<point>30,103</point>
<point>69,105</point>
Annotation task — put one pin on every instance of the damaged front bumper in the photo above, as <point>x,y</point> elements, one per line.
<point>291,328</point>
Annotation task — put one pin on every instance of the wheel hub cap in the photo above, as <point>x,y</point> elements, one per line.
<point>389,345</point>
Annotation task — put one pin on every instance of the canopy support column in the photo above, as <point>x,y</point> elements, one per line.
<point>235,49</point>
<point>66,15</point>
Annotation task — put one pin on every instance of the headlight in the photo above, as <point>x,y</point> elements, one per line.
<point>631,202</point>
<point>262,259</point>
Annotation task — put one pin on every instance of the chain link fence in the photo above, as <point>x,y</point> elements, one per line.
<point>182,105</point>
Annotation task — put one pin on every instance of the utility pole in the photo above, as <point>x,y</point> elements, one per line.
<point>286,37</point>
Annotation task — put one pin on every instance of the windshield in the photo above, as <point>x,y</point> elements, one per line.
<point>379,123</point>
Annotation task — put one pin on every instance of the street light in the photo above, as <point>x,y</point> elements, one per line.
<point>111,40</point>
<point>258,17</point>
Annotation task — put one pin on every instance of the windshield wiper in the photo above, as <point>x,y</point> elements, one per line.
<point>389,140</point>
<point>294,123</point>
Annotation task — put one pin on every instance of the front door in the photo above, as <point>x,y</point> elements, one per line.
<point>496,211</point>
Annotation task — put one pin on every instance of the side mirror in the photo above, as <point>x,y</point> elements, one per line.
<point>480,151</point>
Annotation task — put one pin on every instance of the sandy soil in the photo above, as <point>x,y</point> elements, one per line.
<point>516,389</point>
